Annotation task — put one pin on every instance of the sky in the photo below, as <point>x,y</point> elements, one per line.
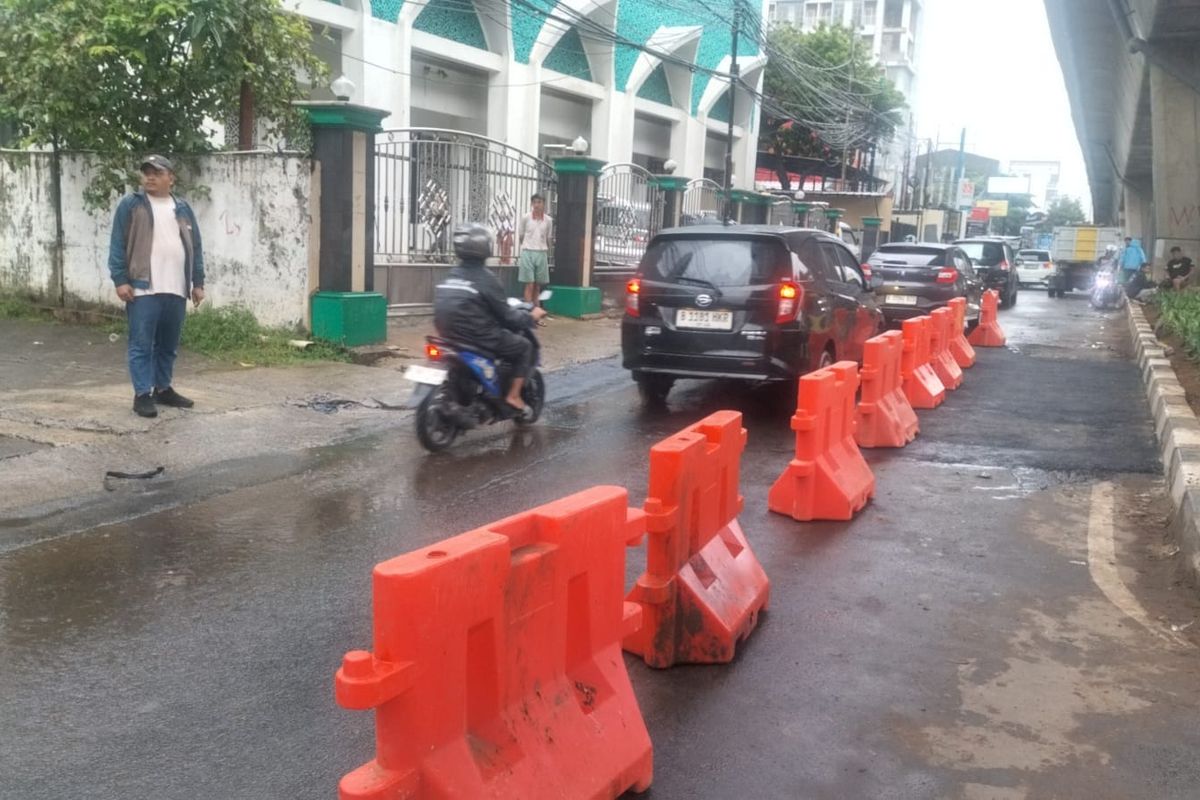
<point>990,66</point>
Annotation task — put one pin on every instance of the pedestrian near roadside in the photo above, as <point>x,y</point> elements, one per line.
<point>1179,270</point>
<point>1132,258</point>
<point>533,237</point>
<point>156,262</point>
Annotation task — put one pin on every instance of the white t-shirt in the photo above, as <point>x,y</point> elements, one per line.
<point>167,258</point>
<point>535,233</point>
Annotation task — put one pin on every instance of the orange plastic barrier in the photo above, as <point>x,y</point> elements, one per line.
<point>922,386</point>
<point>703,586</point>
<point>885,417</point>
<point>497,670</point>
<point>988,333</point>
<point>940,357</point>
<point>828,478</point>
<point>960,348</point>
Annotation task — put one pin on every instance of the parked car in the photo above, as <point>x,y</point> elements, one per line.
<point>1034,267</point>
<point>756,303</point>
<point>911,279</point>
<point>996,263</point>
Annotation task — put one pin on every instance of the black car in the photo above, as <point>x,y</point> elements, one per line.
<point>912,279</point>
<point>755,303</point>
<point>996,263</point>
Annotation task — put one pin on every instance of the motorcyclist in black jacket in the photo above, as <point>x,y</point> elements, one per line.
<point>471,306</point>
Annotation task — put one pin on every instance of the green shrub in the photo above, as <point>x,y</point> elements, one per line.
<point>233,334</point>
<point>1181,316</point>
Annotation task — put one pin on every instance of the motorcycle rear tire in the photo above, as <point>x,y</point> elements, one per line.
<point>435,431</point>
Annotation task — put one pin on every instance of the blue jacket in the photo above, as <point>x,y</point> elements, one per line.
<point>1134,256</point>
<point>132,238</point>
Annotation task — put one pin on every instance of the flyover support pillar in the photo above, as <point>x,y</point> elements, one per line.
<point>1175,110</point>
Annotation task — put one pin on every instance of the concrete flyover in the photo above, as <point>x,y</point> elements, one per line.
<point>1133,77</point>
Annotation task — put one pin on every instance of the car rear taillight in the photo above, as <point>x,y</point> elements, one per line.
<point>1047,265</point>
<point>433,352</point>
<point>948,275</point>
<point>1003,265</point>
<point>633,291</point>
<point>791,298</point>
<point>866,269</point>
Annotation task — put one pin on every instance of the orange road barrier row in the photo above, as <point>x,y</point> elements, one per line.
<point>497,670</point>
<point>960,348</point>
<point>922,386</point>
<point>885,417</point>
<point>703,587</point>
<point>988,333</point>
<point>940,357</point>
<point>828,478</point>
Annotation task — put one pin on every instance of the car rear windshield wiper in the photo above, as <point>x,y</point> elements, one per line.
<point>699,282</point>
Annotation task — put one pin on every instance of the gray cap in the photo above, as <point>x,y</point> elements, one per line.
<point>158,162</point>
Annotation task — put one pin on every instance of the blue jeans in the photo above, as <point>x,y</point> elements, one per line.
<point>155,324</point>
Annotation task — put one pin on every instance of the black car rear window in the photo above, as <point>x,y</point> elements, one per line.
<point>983,254</point>
<point>721,262</point>
<point>909,256</point>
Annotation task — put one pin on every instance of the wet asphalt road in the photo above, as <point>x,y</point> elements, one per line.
<point>951,642</point>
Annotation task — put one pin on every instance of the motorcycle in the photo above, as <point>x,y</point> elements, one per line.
<point>1106,292</point>
<point>460,388</point>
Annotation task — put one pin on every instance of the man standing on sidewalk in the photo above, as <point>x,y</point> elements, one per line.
<point>156,261</point>
<point>533,237</point>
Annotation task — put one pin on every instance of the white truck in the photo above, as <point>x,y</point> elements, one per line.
<point>1075,250</point>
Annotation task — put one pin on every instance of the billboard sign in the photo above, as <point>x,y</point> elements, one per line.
<point>1017,185</point>
<point>996,208</point>
<point>966,194</point>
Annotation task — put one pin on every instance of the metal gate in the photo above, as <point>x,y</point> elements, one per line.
<point>702,202</point>
<point>427,181</point>
<point>628,214</point>
<point>781,213</point>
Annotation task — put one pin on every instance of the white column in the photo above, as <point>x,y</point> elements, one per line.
<point>695,138</point>
<point>515,106</point>
<point>387,85</point>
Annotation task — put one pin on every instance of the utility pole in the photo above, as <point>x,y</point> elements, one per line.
<point>962,173</point>
<point>733,82</point>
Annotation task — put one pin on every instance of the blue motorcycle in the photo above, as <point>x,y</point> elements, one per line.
<point>460,388</point>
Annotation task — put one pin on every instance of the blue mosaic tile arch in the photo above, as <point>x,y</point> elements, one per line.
<point>657,87</point>
<point>720,109</point>
<point>569,57</point>
<point>527,24</point>
<point>455,20</point>
<point>637,21</point>
<point>386,10</point>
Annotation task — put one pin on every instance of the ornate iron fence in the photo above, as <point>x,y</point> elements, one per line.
<point>702,202</point>
<point>427,181</point>
<point>628,214</point>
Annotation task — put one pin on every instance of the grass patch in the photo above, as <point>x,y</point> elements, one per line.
<point>233,334</point>
<point>17,307</point>
<point>1180,314</point>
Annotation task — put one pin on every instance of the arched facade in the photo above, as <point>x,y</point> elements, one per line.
<point>633,77</point>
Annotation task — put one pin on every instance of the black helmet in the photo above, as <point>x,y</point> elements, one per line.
<point>472,242</point>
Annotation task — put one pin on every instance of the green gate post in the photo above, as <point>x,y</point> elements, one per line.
<point>801,212</point>
<point>672,188</point>
<point>871,242</point>
<point>832,215</point>
<point>344,308</point>
<point>575,237</point>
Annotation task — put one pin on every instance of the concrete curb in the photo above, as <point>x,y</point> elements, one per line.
<point>1178,432</point>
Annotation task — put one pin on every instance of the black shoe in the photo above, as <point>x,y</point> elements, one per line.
<point>170,397</point>
<point>143,406</point>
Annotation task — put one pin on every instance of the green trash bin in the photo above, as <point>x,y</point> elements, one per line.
<point>350,319</point>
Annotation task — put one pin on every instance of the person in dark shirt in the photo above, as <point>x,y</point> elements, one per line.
<point>1139,283</point>
<point>1179,270</point>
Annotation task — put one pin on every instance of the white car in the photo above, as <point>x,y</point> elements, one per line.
<point>1034,267</point>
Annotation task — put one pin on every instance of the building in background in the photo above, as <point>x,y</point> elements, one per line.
<point>937,175</point>
<point>891,29</point>
<point>1043,179</point>
<point>537,75</point>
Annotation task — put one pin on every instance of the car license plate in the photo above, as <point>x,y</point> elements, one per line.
<point>704,320</point>
<point>419,373</point>
<point>901,299</point>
